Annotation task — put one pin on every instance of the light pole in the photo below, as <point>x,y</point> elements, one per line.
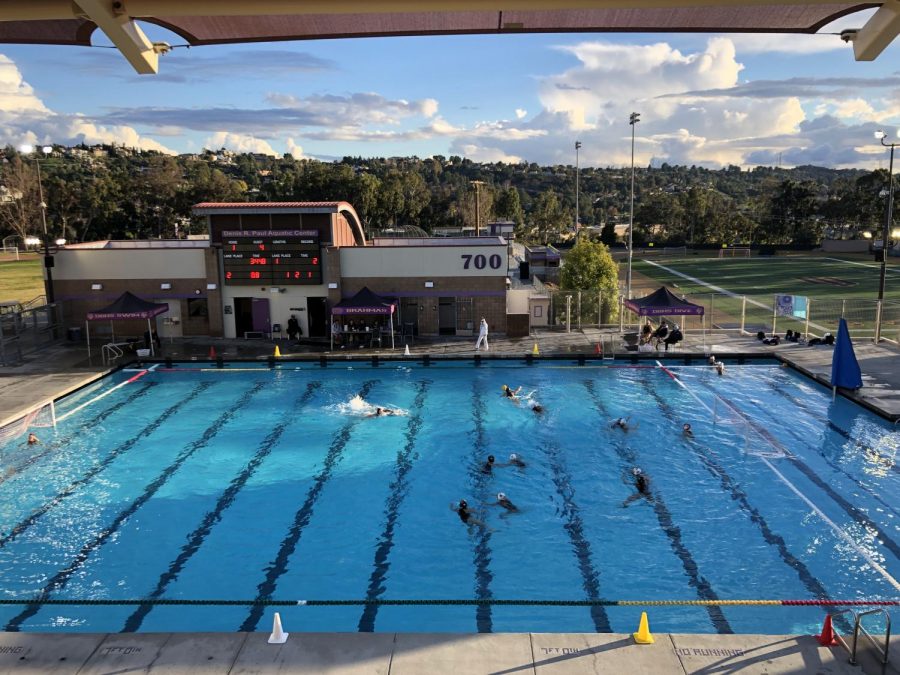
<point>48,258</point>
<point>889,215</point>
<point>577,176</point>
<point>633,119</point>
<point>477,184</point>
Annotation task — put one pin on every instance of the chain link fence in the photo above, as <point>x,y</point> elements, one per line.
<point>27,331</point>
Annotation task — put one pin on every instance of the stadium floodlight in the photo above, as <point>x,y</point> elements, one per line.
<point>867,235</point>
<point>633,119</point>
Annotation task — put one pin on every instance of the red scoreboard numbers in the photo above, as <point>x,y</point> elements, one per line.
<point>272,257</point>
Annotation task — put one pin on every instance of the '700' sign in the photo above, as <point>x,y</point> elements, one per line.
<point>479,261</point>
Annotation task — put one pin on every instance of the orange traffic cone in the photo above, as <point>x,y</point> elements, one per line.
<point>827,638</point>
<point>212,352</point>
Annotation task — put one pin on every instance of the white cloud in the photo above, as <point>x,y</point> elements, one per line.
<point>25,119</point>
<point>483,154</point>
<point>521,114</point>
<point>356,109</point>
<point>295,150</point>
<point>239,143</point>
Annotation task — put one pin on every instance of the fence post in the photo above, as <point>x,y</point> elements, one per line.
<point>551,320</point>
<point>808,310</point>
<point>579,310</point>
<point>621,313</point>
<point>843,306</point>
<point>599,309</point>
<point>878,309</point>
<point>568,313</point>
<point>712,310</point>
<point>774,312</point>
<point>743,312</point>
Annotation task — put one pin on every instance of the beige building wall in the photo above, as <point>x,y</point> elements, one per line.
<point>155,263</point>
<point>489,260</point>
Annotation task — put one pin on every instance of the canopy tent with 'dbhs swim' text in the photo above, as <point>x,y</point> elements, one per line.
<point>126,307</point>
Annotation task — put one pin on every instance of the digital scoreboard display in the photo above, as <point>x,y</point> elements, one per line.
<point>272,257</point>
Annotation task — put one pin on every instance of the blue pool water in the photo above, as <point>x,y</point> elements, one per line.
<point>242,482</point>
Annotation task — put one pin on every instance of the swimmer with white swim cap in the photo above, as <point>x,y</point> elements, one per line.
<point>506,503</point>
<point>515,460</point>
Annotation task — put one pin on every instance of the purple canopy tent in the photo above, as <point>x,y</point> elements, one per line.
<point>127,306</point>
<point>665,303</point>
<point>364,303</point>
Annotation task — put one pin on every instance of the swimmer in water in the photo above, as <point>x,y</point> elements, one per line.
<point>641,484</point>
<point>511,393</point>
<point>33,440</point>
<point>465,514</point>
<point>620,423</point>
<point>720,368</point>
<point>712,360</point>
<point>536,408</point>
<point>383,412</point>
<point>686,431</point>
<point>506,503</point>
<point>515,460</point>
<point>488,466</point>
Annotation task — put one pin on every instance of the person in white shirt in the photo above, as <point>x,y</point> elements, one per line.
<point>482,336</point>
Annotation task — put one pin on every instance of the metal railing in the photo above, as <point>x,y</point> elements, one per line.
<point>858,628</point>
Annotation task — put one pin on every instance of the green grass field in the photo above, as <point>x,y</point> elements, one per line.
<point>834,285</point>
<point>20,280</point>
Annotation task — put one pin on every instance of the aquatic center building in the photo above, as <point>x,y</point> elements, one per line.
<point>264,262</point>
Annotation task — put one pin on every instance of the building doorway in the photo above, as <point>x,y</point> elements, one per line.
<point>317,315</point>
<point>447,316</point>
<point>251,316</point>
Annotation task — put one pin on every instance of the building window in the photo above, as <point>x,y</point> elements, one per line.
<point>538,311</point>
<point>197,308</point>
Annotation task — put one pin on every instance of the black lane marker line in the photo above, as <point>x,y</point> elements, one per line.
<point>706,456</point>
<point>574,527</point>
<point>836,467</point>
<point>822,419</point>
<point>196,538</point>
<point>277,567</point>
<point>861,518</point>
<point>22,526</point>
<point>399,489</point>
<point>482,551</point>
<point>61,578</point>
<point>62,442</point>
<point>664,516</point>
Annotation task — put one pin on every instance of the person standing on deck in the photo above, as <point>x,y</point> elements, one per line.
<point>482,336</point>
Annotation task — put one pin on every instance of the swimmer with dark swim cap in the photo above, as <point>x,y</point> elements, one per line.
<point>620,423</point>
<point>687,431</point>
<point>488,466</point>
<point>33,440</point>
<point>465,514</point>
<point>641,484</point>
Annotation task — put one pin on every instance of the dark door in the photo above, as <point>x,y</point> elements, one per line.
<point>243,316</point>
<point>262,320</point>
<point>317,314</point>
<point>447,316</point>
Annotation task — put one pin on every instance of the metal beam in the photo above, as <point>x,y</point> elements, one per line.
<point>878,33</point>
<point>112,18</point>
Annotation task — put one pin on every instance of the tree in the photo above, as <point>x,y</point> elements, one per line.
<point>590,267</point>
<point>608,233</point>
<point>20,211</point>
<point>509,206</point>
<point>548,217</point>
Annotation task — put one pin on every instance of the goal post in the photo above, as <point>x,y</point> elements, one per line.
<point>735,252</point>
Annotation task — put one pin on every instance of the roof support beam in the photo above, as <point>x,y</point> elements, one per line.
<point>112,18</point>
<point>878,32</point>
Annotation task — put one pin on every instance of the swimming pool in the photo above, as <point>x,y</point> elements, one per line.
<point>245,482</point>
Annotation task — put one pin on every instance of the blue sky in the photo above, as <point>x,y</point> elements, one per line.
<point>704,99</point>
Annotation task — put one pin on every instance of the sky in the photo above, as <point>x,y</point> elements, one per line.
<point>710,100</point>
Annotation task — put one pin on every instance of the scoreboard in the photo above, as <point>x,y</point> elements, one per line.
<point>271,257</point>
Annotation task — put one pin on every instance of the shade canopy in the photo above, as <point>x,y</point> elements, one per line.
<point>128,306</point>
<point>364,303</point>
<point>845,371</point>
<point>663,303</point>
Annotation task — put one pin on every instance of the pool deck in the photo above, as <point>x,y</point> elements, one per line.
<point>418,654</point>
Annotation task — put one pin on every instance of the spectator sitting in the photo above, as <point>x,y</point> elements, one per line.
<point>646,332</point>
<point>760,335</point>
<point>774,340</point>
<point>661,333</point>
<point>674,337</point>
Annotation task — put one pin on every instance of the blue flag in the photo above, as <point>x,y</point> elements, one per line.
<point>845,370</point>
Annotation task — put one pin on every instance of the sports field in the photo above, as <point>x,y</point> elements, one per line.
<point>21,280</point>
<point>834,285</point>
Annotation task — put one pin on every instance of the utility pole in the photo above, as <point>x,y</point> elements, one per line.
<point>885,238</point>
<point>577,176</point>
<point>633,119</point>
<point>477,184</point>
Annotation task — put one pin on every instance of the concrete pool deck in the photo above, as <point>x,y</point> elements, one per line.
<point>417,654</point>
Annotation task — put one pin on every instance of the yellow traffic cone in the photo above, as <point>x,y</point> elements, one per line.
<point>277,351</point>
<point>535,351</point>
<point>643,637</point>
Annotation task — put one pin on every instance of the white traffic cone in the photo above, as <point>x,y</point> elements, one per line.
<point>278,636</point>
<point>406,351</point>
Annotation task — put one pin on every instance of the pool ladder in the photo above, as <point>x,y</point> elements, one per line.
<point>858,628</point>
